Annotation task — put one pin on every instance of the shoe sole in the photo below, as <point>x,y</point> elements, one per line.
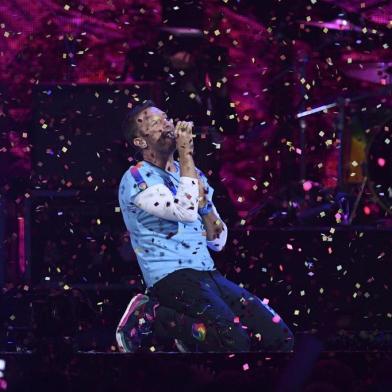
<point>136,301</point>
<point>180,346</point>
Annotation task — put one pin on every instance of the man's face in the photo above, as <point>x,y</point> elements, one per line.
<point>157,130</point>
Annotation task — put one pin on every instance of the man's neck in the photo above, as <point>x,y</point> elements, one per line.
<point>165,162</point>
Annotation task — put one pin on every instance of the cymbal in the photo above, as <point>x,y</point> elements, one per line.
<point>375,72</point>
<point>337,25</point>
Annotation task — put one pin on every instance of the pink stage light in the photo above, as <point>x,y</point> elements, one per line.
<point>307,185</point>
<point>381,162</point>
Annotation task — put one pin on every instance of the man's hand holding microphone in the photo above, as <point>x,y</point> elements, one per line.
<point>185,147</point>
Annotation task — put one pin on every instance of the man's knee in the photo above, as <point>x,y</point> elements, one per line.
<point>283,339</point>
<point>233,338</point>
<point>277,338</point>
<point>287,340</point>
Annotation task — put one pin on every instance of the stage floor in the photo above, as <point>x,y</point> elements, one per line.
<point>307,369</point>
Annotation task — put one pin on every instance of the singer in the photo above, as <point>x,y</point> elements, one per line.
<point>168,210</point>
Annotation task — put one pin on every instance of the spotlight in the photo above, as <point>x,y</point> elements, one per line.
<point>307,185</point>
<point>381,162</point>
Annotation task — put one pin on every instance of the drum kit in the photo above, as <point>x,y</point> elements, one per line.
<point>376,79</point>
<point>369,135</point>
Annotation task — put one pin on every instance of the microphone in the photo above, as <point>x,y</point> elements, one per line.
<point>215,135</point>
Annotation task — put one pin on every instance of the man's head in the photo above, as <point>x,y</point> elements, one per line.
<point>147,128</point>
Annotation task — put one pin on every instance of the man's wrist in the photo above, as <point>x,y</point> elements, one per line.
<point>206,209</point>
<point>187,165</point>
<point>202,202</point>
<point>185,153</point>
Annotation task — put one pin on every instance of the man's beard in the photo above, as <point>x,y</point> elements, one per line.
<point>168,144</point>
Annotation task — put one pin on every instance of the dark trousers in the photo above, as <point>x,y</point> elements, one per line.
<point>209,313</point>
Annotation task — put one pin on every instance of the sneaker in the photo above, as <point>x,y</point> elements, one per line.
<point>135,326</point>
<point>181,346</point>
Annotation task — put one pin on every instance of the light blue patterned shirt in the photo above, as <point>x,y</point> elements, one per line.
<point>162,246</point>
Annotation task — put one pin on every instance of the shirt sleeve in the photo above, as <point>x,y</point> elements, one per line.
<point>158,200</point>
<point>218,243</point>
<point>207,186</point>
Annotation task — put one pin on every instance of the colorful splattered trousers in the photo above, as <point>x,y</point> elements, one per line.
<point>209,313</point>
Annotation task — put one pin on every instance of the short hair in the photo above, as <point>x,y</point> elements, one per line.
<point>130,126</point>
